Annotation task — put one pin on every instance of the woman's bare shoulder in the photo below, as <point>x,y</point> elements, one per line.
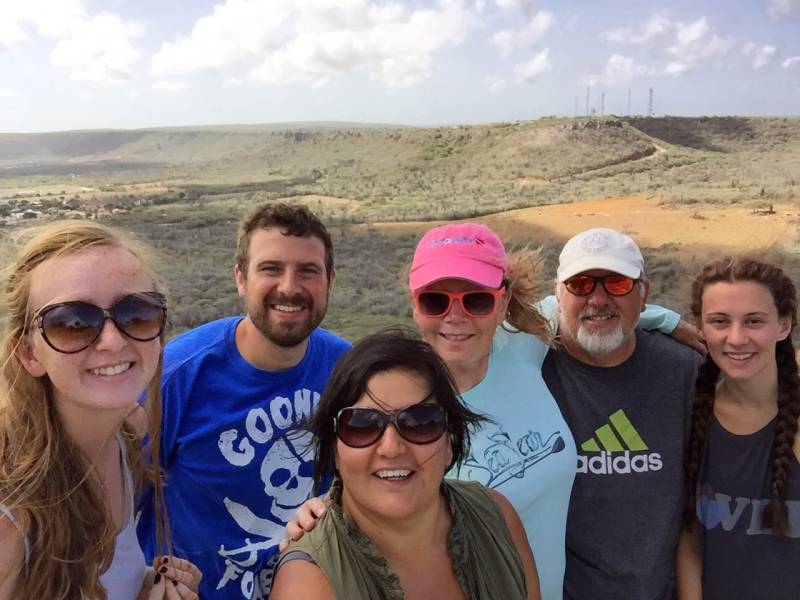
<point>301,580</point>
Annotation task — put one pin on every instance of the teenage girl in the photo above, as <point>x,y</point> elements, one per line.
<point>742,535</point>
<point>83,337</point>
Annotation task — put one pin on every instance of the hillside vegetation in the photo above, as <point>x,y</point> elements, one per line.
<point>185,189</point>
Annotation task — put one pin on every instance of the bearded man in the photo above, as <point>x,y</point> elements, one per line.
<point>625,394</point>
<point>234,392</point>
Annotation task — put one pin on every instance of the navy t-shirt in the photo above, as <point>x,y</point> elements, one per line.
<point>742,558</point>
<point>630,424</point>
<point>237,468</point>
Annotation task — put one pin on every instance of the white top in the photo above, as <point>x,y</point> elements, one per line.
<point>124,577</point>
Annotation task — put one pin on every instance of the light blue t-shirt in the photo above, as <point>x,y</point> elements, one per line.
<point>528,453</point>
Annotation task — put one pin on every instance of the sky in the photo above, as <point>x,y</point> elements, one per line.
<point>90,64</point>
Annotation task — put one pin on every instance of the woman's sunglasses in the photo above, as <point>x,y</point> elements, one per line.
<point>70,327</point>
<point>614,285</point>
<point>419,424</point>
<point>439,303</point>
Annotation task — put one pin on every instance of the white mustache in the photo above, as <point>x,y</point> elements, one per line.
<point>601,311</point>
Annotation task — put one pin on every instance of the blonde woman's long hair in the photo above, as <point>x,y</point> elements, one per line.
<point>46,481</point>
<point>525,281</point>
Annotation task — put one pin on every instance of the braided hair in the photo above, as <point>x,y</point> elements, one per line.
<point>780,286</point>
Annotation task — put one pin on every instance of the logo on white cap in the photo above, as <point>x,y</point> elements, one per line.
<point>595,242</point>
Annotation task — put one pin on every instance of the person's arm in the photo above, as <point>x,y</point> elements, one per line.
<point>689,566</point>
<point>301,580</point>
<point>517,530</point>
<point>12,553</point>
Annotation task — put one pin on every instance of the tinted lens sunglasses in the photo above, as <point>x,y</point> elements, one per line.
<point>478,303</point>
<point>614,284</point>
<point>419,424</point>
<point>70,327</point>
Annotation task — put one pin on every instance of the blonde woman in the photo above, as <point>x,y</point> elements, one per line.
<point>83,337</point>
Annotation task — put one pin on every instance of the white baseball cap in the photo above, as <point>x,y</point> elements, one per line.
<point>600,248</point>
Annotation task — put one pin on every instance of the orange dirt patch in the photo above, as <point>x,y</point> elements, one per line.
<point>688,228</point>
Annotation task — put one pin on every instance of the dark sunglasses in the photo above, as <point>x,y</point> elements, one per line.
<point>614,284</point>
<point>475,303</point>
<point>422,423</point>
<point>70,327</point>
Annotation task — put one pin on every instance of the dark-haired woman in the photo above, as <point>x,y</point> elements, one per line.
<point>742,537</point>
<point>390,424</point>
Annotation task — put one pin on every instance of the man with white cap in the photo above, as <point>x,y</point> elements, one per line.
<point>625,394</point>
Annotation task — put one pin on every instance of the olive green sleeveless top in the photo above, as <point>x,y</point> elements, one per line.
<point>485,560</point>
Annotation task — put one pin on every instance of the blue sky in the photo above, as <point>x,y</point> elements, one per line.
<point>79,64</point>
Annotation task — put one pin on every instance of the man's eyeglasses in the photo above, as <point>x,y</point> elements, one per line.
<point>70,327</point>
<point>614,284</point>
<point>438,303</point>
<point>422,423</point>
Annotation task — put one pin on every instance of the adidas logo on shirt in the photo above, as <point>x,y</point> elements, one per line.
<point>617,448</point>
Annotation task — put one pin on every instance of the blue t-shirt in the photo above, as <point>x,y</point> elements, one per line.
<point>527,453</point>
<point>236,466</point>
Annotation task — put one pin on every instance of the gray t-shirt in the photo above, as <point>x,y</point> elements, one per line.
<point>630,423</point>
<point>742,558</point>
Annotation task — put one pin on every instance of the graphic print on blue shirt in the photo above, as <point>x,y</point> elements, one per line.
<point>285,473</point>
<point>506,458</point>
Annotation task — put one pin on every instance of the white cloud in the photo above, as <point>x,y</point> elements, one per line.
<point>285,42</point>
<point>235,30</point>
<point>95,47</point>
<point>164,85</point>
<point>693,44</point>
<point>761,56</point>
<point>791,61</point>
<point>780,9</point>
<point>619,70</point>
<point>655,27</point>
<point>7,93</point>
<point>496,84</point>
<point>48,18</point>
<point>99,50</point>
<point>517,4</point>
<point>509,40</point>
<point>676,68</point>
<point>686,45</point>
<point>530,70</point>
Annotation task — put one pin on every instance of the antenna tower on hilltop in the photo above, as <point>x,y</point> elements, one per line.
<point>602,103</point>
<point>629,101</point>
<point>650,111</point>
<point>575,113</point>
<point>587,99</point>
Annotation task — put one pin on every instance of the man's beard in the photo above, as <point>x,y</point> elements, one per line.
<point>282,333</point>
<point>601,342</point>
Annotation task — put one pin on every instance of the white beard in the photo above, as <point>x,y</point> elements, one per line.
<point>600,343</point>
